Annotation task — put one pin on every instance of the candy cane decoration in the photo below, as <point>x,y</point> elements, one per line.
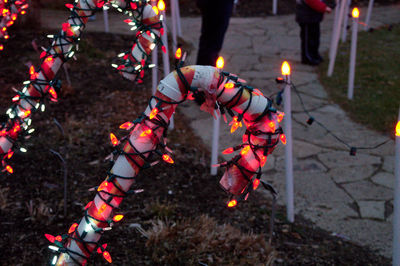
<point>216,91</point>
<point>43,85</point>
<point>9,10</point>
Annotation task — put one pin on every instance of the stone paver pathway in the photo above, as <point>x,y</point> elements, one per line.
<point>349,196</point>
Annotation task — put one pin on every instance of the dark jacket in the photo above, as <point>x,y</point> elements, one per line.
<point>310,11</point>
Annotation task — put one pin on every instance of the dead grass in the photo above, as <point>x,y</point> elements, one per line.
<point>202,241</point>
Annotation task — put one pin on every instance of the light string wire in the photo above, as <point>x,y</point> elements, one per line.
<point>311,119</point>
<point>43,84</point>
<point>9,11</point>
<point>155,126</point>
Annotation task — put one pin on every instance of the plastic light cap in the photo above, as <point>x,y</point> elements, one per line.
<point>285,68</point>
<point>355,13</point>
<point>220,62</point>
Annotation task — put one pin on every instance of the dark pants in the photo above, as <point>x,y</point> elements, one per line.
<point>309,35</point>
<point>214,23</point>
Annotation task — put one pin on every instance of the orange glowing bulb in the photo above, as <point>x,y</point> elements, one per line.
<point>102,186</point>
<point>228,151</point>
<point>285,68</point>
<point>245,150</point>
<point>178,53</point>
<point>355,13</point>
<point>282,137</point>
<point>229,85</point>
<point>118,217</point>
<point>232,203</point>
<point>9,169</point>
<point>235,124</point>
<point>102,209</point>
<point>32,70</point>
<point>167,158</point>
<point>59,238</point>
<point>272,126</point>
<point>398,129</point>
<point>107,256</point>
<point>220,62</point>
<point>126,125</point>
<point>153,113</point>
<point>263,160</point>
<point>161,5</point>
<point>146,132</point>
<point>72,228</point>
<point>27,113</point>
<point>49,237</point>
<point>256,183</point>
<point>1,47</point>
<point>113,139</point>
<point>10,154</point>
<point>280,116</point>
<point>155,9</point>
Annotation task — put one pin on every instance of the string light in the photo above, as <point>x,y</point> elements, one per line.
<point>9,10</point>
<point>43,84</point>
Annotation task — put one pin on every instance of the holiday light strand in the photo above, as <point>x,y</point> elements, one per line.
<point>9,11</point>
<point>44,85</point>
<point>145,146</point>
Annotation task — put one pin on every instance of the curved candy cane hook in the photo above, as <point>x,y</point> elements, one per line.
<point>210,87</point>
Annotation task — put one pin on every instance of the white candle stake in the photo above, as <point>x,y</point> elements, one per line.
<point>368,18</point>
<point>106,23</point>
<point>215,144</point>
<point>274,7</point>
<point>353,53</point>
<point>289,144</point>
<point>335,41</point>
<point>396,202</point>
<point>154,70</point>
<point>346,20</point>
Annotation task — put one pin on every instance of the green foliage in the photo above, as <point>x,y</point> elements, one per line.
<point>377,79</point>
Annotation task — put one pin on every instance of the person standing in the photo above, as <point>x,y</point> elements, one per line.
<point>309,14</point>
<point>214,23</point>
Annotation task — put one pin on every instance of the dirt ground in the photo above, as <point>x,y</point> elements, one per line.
<point>96,103</point>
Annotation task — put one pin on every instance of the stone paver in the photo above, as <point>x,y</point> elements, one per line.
<point>346,195</point>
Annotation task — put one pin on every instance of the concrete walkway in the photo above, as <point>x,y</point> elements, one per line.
<point>349,196</point>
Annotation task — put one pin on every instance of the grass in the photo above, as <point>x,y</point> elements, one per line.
<point>376,98</point>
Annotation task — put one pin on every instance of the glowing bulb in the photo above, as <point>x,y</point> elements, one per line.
<point>118,217</point>
<point>245,150</point>
<point>272,126</point>
<point>102,209</point>
<point>285,68</point>
<point>9,169</point>
<point>153,113</point>
<point>155,9</point>
<point>235,124</point>
<point>355,13</point>
<point>167,158</point>
<point>282,137</point>
<point>178,53</point>
<point>113,139</point>
<point>229,85</point>
<point>72,228</point>
<point>398,129</point>
<point>161,5</point>
<point>107,256</point>
<point>232,203</point>
<point>126,125</point>
<point>228,151</point>
<point>256,183</point>
<point>102,186</point>
<point>49,237</point>
<point>146,132</point>
<point>220,62</point>
<point>280,116</point>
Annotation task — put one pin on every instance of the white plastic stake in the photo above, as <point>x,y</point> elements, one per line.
<point>369,11</point>
<point>178,18</point>
<point>396,202</point>
<point>154,70</point>
<point>334,27</point>
<point>346,20</point>
<point>335,41</point>
<point>215,144</point>
<point>289,144</point>
<point>164,39</point>
<point>353,53</point>
<point>173,25</point>
<point>274,7</point>
<point>106,23</point>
